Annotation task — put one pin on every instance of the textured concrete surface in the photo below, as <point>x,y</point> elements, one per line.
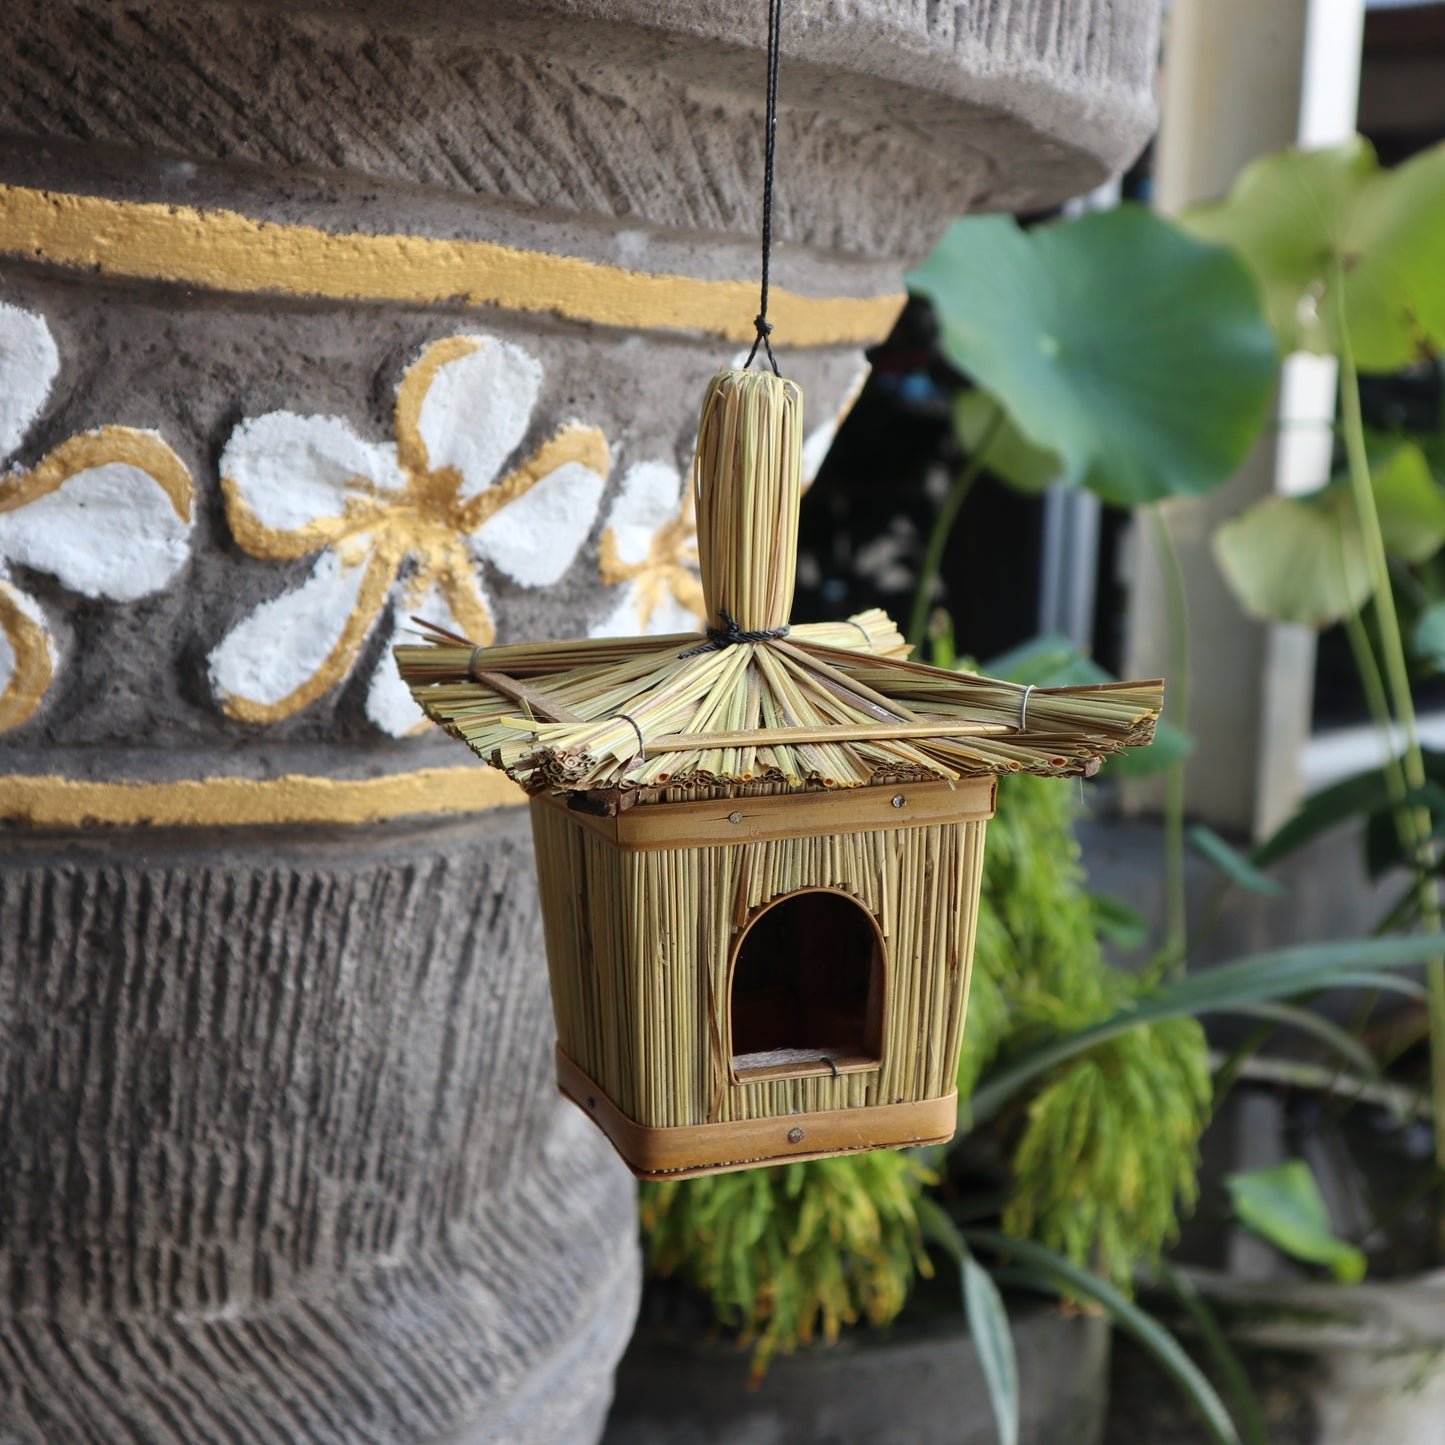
<point>280,1155</point>
<point>617,110</point>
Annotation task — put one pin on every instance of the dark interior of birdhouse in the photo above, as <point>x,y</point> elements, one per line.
<point>807,991</point>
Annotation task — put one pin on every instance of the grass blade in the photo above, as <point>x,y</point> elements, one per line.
<point>1226,1360</point>
<point>1142,1327</point>
<point>1232,863</point>
<point>1263,978</point>
<point>993,1339</point>
<point>988,1323</point>
<point>1344,1043</point>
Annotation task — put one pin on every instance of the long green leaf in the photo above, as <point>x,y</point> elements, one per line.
<point>992,1338</point>
<point>1226,1359</point>
<point>1307,1021</point>
<point>1144,1328</point>
<point>1232,863</point>
<point>988,1323</point>
<point>1353,797</point>
<point>1368,979</point>
<point>938,1228</point>
<point>1265,977</point>
<point>1284,972</point>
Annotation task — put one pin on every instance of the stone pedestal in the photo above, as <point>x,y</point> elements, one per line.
<point>316,315</point>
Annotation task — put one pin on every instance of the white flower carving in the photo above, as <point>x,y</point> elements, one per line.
<point>107,513</point>
<point>649,549</point>
<point>399,527</point>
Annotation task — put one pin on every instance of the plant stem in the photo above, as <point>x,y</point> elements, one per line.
<point>1415,821</point>
<point>1376,699</point>
<point>1378,702</point>
<point>943,525</point>
<point>1176,908</point>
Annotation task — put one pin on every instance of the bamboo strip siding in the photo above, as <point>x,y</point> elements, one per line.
<point>639,948</point>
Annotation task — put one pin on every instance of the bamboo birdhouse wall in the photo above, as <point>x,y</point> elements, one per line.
<point>760,848</point>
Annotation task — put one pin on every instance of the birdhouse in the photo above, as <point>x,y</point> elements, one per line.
<point>759,847</point>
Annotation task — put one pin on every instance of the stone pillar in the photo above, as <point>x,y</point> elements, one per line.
<point>315,315</point>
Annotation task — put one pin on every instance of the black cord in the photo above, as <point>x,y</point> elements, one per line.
<point>764,326</point>
<point>730,635</point>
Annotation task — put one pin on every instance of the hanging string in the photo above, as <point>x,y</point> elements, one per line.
<point>764,326</point>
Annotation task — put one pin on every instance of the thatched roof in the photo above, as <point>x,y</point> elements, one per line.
<point>813,706</point>
<point>830,705</point>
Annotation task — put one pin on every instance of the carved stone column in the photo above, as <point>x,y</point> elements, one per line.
<point>316,314</point>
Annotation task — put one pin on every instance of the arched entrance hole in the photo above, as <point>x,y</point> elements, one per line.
<point>807,988</point>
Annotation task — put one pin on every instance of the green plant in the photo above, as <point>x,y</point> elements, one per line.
<point>1284,1205</point>
<point>1348,257</point>
<point>1130,355</point>
<point>1103,1152</point>
<point>787,1254</point>
<point>1114,352</point>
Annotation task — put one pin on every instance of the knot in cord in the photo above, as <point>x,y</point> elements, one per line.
<point>729,636</point>
<point>765,330</point>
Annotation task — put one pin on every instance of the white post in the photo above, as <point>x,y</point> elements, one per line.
<point>1071,518</point>
<point>1242,78</point>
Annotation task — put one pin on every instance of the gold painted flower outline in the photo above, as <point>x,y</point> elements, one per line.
<point>107,513</point>
<point>649,549</point>
<point>409,522</point>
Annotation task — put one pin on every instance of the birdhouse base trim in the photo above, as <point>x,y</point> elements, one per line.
<point>683,1152</point>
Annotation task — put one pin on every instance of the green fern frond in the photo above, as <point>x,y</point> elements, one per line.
<point>1106,1159</point>
<point>791,1254</point>
<point>1108,1156</point>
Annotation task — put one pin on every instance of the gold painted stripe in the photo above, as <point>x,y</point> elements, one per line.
<point>225,251</point>
<point>55,802</point>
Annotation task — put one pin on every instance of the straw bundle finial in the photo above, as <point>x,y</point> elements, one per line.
<point>748,483</point>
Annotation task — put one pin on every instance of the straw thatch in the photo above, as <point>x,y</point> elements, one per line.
<point>818,706</point>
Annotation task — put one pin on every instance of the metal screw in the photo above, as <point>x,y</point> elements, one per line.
<point>795,1136</point>
<point>899,801</point>
<point>735,817</point>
